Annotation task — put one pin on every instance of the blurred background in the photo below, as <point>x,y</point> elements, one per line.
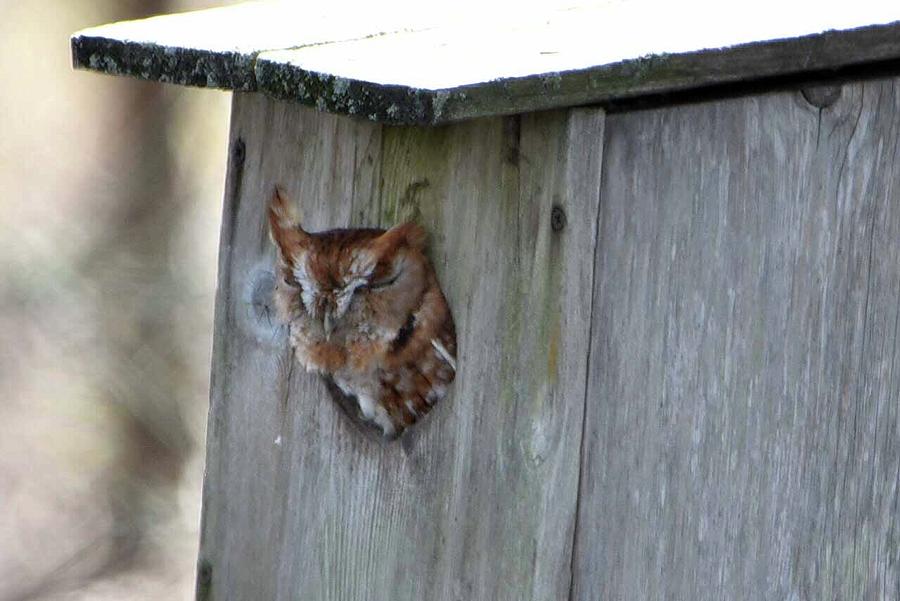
<point>110,199</point>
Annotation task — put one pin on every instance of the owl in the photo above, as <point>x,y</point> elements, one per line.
<point>365,310</point>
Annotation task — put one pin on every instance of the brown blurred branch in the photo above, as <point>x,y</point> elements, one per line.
<point>141,371</point>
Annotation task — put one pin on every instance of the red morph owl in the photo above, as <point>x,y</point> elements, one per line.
<point>365,310</point>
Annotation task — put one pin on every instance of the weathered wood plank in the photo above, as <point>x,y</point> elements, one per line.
<point>743,425</point>
<point>476,502</point>
<point>403,62</point>
<point>261,404</point>
<point>584,55</point>
<point>217,48</point>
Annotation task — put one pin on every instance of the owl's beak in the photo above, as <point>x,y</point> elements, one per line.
<point>329,324</point>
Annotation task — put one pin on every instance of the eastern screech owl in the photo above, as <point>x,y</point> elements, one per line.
<point>365,310</point>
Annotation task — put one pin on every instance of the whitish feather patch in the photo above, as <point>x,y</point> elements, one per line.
<point>445,355</point>
<point>309,289</point>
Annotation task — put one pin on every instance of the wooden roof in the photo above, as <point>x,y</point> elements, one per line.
<point>402,62</point>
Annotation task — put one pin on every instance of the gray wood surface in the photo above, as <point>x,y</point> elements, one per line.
<point>262,407</point>
<point>479,500</point>
<point>742,427</point>
<point>404,62</point>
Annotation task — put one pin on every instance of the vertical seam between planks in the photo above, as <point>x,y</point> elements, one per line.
<point>587,372</point>
<point>378,188</point>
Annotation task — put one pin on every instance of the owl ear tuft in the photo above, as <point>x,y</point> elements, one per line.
<point>409,234</point>
<point>284,227</point>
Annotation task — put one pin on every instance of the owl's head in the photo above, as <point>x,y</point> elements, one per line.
<point>347,280</point>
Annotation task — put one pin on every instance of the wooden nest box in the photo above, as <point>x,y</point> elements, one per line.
<point>675,273</point>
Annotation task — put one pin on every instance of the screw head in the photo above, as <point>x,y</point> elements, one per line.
<point>204,574</point>
<point>238,151</point>
<point>557,219</point>
<point>822,96</point>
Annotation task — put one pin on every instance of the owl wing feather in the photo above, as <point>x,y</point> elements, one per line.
<point>410,390</point>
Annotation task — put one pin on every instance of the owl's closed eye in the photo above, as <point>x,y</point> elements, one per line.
<point>365,310</point>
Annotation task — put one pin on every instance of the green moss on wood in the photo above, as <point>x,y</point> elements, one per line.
<point>183,66</point>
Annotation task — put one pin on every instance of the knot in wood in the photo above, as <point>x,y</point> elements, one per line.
<point>261,296</point>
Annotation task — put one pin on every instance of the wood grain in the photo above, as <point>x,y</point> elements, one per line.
<point>743,426</point>
<point>479,500</point>
<point>263,410</point>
